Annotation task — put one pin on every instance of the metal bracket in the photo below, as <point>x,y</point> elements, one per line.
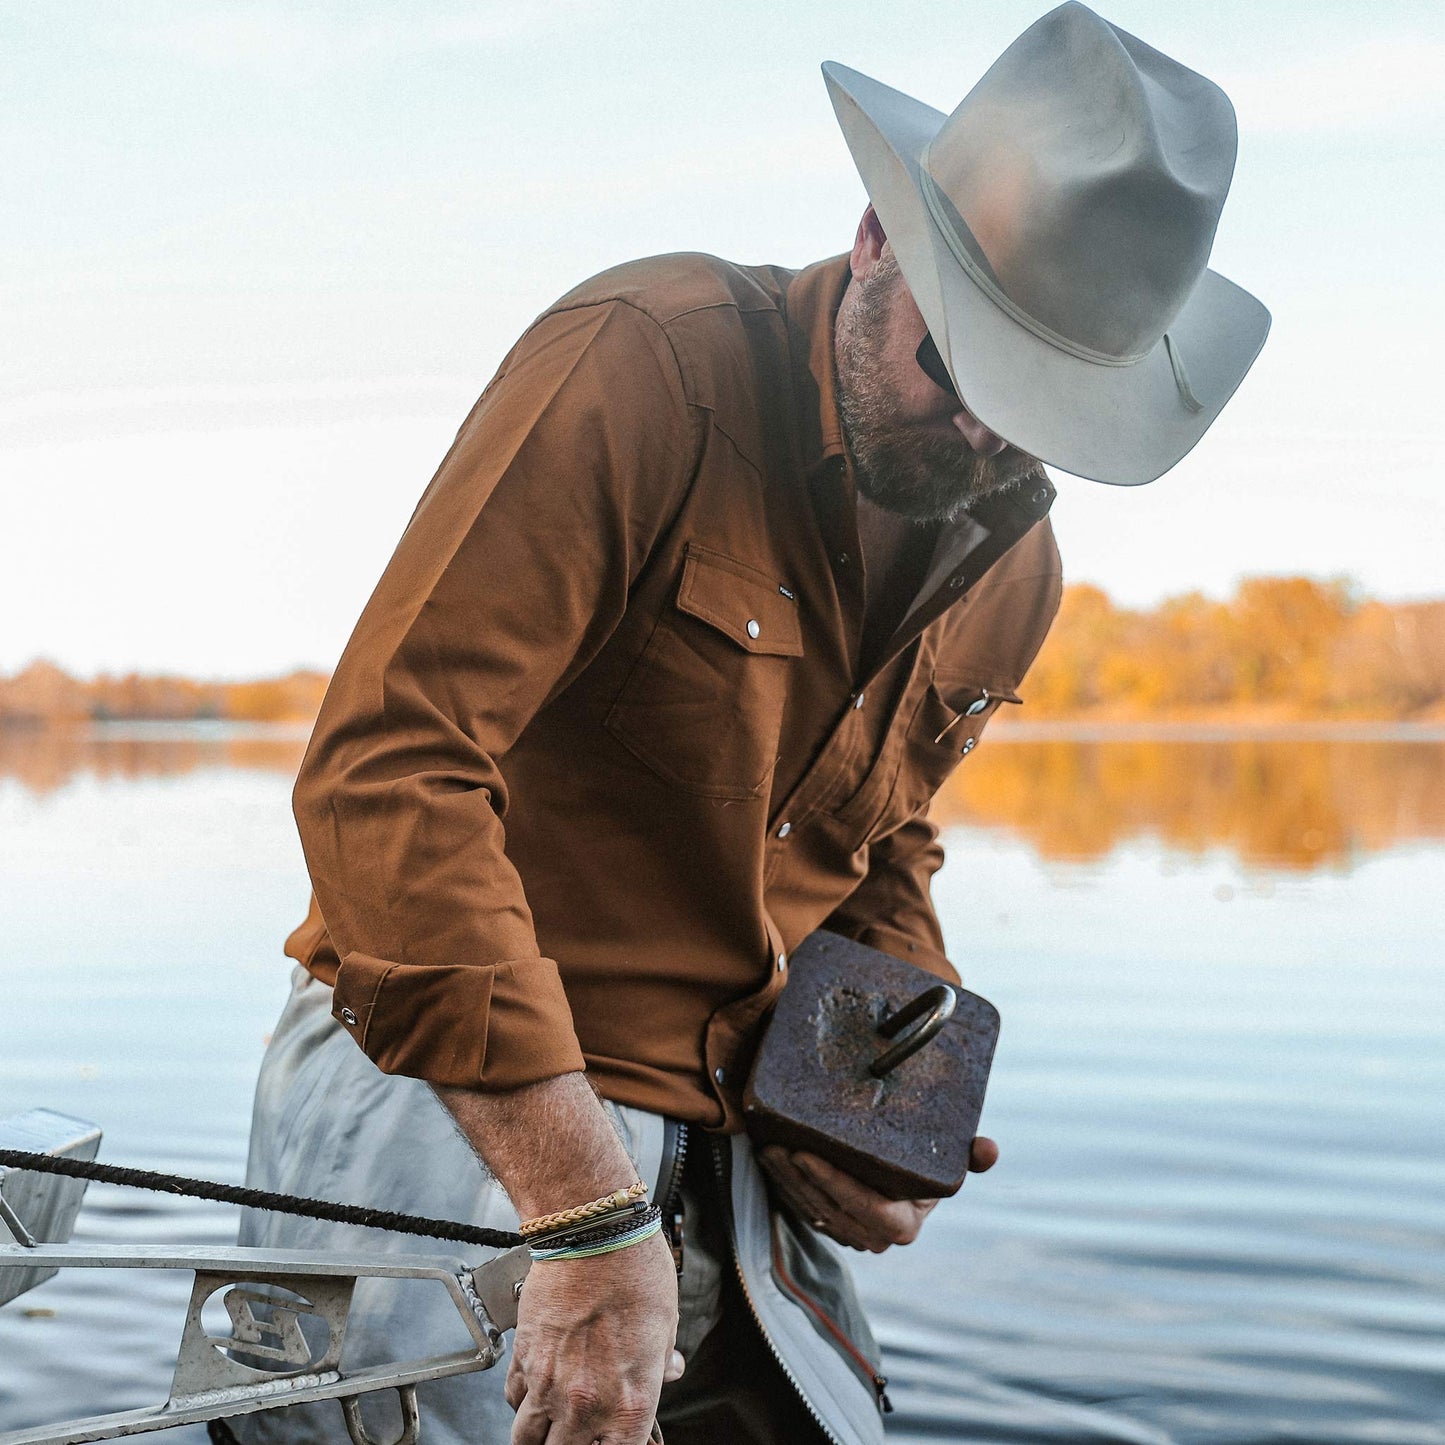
<point>13,1222</point>
<point>410,1419</point>
<point>288,1312</point>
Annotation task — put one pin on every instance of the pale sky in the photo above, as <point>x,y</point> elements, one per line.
<point>257,260</point>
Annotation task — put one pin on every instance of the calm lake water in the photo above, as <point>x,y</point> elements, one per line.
<point>1220,1215</point>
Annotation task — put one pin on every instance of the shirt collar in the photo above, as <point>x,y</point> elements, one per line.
<point>812,302</point>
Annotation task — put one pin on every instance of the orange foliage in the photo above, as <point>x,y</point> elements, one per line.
<point>44,694</point>
<point>1282,647</point>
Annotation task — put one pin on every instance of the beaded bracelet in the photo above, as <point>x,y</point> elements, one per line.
<point>609,1204</point>
<point>651,1224</point>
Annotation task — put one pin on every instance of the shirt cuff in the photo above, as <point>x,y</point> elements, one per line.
<point>479,1026</point>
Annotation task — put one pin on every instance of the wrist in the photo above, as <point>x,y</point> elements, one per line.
<point>605,1239</point>
<point>616,1204</point>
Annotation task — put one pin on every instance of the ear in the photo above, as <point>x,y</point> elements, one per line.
<point>867,244</point>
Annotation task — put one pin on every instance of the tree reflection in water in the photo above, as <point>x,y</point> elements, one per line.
<point>1277,801</point>
<point>1280,802</point>
<point>46,759</point>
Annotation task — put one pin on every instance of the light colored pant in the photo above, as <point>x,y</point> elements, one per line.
<point>329,1124</point>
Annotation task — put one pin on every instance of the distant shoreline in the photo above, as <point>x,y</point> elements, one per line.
<point>130,730</point>
<point>1010,731</point>
<point>1219,730</point>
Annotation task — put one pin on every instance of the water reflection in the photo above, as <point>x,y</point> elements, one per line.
<point>1277,802</point>
<point>46,759</point>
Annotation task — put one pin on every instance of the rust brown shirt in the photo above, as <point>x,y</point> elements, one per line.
<point>600,750</point>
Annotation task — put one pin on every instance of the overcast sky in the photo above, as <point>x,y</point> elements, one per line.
<point>257,260</point>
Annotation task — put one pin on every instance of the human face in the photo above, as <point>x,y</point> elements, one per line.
<point>917,449</point>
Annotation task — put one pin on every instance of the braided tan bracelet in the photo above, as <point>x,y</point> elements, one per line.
<point>618,1199</point>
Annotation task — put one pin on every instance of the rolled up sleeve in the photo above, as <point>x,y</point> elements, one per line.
<point>513,572</point>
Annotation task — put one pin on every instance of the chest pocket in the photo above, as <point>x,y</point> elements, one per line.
<point>945,727</point>
<point>703,706</point>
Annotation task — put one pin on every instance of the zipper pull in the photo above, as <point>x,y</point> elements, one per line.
<point>880,1388</point>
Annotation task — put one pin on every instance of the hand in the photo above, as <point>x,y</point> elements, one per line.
<point>846,1209</point>
<point>594,1344</point>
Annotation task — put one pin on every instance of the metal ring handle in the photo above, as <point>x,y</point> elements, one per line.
<point>410,1418</point>
<point>938,1003</point>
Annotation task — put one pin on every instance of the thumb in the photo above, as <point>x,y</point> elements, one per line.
<point>675,1366</point>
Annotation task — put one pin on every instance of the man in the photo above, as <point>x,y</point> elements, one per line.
<point>722,577</point>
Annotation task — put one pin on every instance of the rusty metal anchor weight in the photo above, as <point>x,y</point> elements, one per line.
<point>876,1066</point>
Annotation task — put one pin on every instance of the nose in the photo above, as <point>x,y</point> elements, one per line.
<point>977,435</point>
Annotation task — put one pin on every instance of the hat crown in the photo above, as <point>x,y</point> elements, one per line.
<point>1083,177</point>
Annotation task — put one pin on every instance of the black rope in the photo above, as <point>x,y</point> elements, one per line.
<point>258,1199</point>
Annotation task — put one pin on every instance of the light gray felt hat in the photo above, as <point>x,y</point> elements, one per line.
<point>1054,231</point>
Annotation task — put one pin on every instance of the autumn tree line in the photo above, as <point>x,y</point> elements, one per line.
<point>44,694</point>
<point>1281,648</point>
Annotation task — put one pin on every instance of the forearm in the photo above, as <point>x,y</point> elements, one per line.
<point>550,1144</point>
<point>594,1336</point>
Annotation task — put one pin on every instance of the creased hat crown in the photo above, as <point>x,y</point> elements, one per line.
<point>1082,178</point>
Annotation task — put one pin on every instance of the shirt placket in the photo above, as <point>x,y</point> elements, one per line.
<point>861,730</point>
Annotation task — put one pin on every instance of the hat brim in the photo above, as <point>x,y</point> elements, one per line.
<point>1125,425</point>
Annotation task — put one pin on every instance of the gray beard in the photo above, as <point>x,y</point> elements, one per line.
<point>925,478</point>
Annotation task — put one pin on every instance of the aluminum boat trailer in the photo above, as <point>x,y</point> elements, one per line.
<point>287,1309</point>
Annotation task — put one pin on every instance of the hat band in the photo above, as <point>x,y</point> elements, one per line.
<point>939,208</point>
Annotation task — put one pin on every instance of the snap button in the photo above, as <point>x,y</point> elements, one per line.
<point>784,829</point>
<point>957,580</point>
<point>782,962</point>
<point>858,701</point>
<point>977,705</point>
<point>720,1074</point>
<point>348,1018</point>
<point>843,559</point>
<point>753,628</point>
<point>970,745</point>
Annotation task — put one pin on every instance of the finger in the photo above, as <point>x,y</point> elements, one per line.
<point>825,1214</point>
<point>515,1389</point>
<point>675,1366</point>
<point>882,1221</point>
<point>801,1198</point>
<point>803,1190</point>
<point>850,1195</point>
<point>531,1425</point>
<point>773,1158</point>
<point>983,1155</point>
<point>589,1428</point>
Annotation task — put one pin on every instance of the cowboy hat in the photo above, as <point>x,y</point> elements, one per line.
<point>1054,231</point>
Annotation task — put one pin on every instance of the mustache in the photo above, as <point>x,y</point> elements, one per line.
<point>930,478</point>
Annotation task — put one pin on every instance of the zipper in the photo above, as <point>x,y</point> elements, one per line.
<point>865,1366</point>
<point>670,1197</point>
<point>667,1197</point>
<point>725,1193</point>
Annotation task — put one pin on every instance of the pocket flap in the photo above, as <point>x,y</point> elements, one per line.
<point>741,602</point>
